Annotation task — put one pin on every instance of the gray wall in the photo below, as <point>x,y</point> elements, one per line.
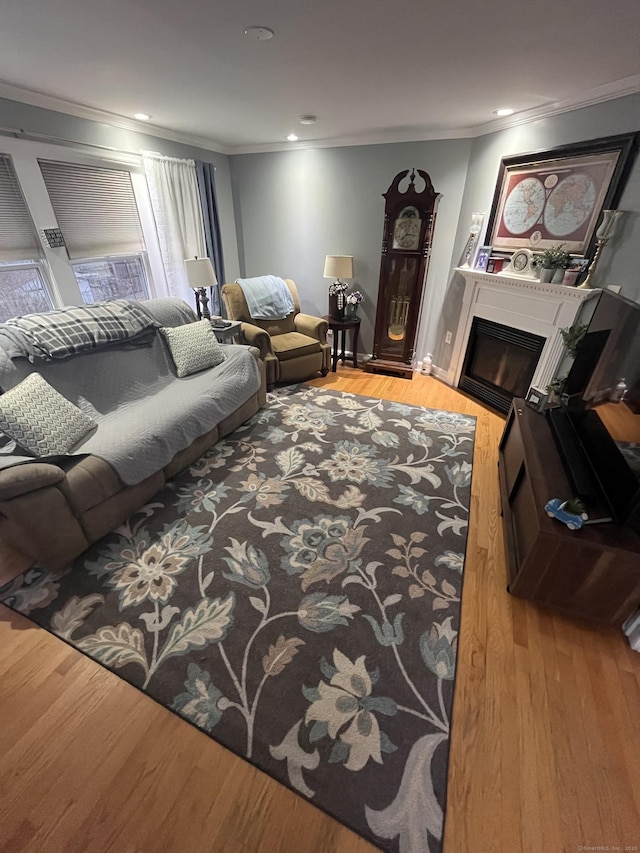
<point>35,120</point>
<point>282,213</point>
<point>620,261</point>
<point>295,207</point>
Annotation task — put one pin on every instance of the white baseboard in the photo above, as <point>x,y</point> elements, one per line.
<point>438,373</point>
<point>444,375</point>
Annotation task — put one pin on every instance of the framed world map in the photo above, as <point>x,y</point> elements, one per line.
<point>556,196</point>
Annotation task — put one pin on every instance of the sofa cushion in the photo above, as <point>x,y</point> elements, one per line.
<point>89,482</point>
<point>22,479</point>
<point>40,419</point>
<point>142,436</point>
<point>294,345</point>
<point>193,347</point>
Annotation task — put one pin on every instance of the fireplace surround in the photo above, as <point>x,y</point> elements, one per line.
<point>519,304</point>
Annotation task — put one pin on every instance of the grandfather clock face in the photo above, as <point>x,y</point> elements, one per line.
<point>406,243</point>
<point>406,230</point>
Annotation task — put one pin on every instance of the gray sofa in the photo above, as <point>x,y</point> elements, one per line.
<point>151,425</point>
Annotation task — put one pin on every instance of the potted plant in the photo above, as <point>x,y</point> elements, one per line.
<point>554,389</point>
<point>353,299</point>
<point>552,263</point>
<point>337,299</point>
<point>571,337</point>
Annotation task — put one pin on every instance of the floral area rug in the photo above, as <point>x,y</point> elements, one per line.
<point>296,595</point>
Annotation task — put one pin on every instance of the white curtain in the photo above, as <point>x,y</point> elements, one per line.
<point>173,188</point>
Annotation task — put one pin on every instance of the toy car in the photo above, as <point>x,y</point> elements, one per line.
<point>555,508</point>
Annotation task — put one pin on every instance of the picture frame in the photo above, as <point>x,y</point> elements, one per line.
<point>579,264</point>
<point>537,399</point>
<point>552,197</point>
<point>482,258</point>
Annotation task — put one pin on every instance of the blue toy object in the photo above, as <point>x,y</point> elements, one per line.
<point>555,508</point>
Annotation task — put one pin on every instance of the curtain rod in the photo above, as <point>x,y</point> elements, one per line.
<point>35,136</point>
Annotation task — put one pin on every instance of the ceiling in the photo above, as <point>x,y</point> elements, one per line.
<point>371,71</point>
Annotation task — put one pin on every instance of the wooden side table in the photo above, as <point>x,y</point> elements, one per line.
<point>340,329</point>
<point>229,334</point>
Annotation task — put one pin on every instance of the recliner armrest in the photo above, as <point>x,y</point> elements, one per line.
<point>257,337</point>
<point>28,477</point>
<point>315,327</point>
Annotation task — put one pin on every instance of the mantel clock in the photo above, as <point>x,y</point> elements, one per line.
<point>409,219</point>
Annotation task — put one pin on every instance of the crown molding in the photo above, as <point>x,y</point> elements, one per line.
<point>385,138</point>
<point>600,94</point>
<point>59,105</point>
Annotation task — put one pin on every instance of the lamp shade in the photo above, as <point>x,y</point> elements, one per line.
<point>338,266</point>
<point>608,225</point>
<point>200,272</point>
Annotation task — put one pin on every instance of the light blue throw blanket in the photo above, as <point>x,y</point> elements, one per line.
<point>268,297</point>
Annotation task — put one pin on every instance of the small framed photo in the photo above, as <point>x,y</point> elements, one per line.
<point>482,258</point>
<point>537,399</point>
<point>579,264</point>
<point>576,269</point>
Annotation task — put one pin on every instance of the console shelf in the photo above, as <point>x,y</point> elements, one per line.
<point>592,573</point>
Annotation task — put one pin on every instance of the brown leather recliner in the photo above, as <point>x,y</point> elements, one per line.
<point>292,349</point>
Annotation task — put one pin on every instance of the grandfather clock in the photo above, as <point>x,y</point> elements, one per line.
<point>409,219</point>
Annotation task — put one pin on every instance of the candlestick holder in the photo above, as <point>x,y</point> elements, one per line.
<point>600,244</point>
<point>604,233</point>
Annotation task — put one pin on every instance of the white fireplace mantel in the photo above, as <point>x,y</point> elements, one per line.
<point>519,303</point>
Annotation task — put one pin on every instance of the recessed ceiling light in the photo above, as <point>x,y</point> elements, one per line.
<point>504,111</point>
<point>259,33</point>
<point>292,138</point>
<point>142,116</point>
<point>308,119</point>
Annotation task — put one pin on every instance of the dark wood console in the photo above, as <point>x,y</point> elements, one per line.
<point>594,572</point>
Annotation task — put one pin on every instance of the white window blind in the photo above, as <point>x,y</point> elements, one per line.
<point>95,208</point>
<point>18,237</point>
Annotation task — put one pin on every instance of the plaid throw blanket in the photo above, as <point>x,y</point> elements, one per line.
<point>68,331</point>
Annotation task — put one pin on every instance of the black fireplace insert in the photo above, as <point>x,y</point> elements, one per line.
<point>499,363</point>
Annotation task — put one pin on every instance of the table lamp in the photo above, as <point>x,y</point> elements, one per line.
<point>336,267</point>
<point>200,275</point>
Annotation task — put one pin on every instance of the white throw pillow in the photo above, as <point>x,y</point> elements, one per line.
<point>40,419</point>
<point>193,347</point>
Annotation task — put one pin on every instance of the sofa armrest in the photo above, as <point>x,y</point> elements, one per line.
<point>257,337</point>
<point>315,327</point>
<point>28,477</point>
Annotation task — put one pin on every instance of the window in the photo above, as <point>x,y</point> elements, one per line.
<point>22,290</point>
<point>23,286</point>
<point>97,214</point>
<point>112,278</point>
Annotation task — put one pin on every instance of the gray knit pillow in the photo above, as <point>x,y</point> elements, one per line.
<point>40,419</point>
<point>193,347</point>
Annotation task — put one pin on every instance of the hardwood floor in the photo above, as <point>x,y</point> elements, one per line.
<point>545,748</point>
